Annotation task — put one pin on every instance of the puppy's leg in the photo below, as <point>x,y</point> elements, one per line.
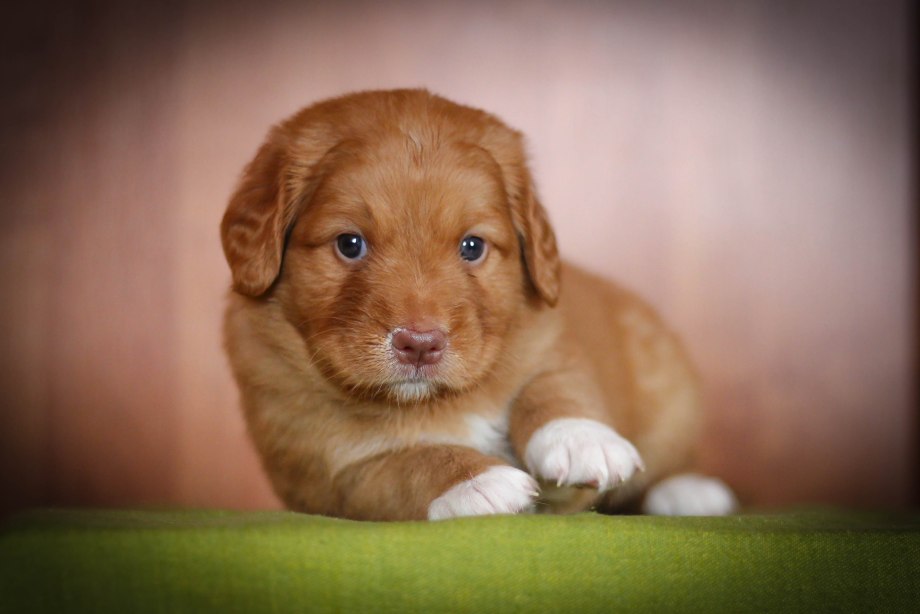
<point>690,494</point>
<point>433,482</point>
<point>560,428</point>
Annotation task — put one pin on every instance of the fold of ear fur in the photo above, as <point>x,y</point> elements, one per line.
<point>253,227</point>
<point>268,198</point>
<point>540,252</point>
<point>538,241</point>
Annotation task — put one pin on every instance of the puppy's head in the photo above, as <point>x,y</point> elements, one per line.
<point>400,235</point>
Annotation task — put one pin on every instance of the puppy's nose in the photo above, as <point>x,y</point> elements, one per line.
<point>415,347</point>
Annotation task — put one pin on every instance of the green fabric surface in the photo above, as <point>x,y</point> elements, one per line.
<point>200,561</point>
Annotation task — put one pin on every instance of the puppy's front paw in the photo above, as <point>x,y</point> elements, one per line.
<point>497,490</point>
<point>578,451</point>
<point>690,494</point>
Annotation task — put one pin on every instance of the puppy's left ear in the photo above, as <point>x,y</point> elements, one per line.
<point>541,255</point>
<point>538,241</point>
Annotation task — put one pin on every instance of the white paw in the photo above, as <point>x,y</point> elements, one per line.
<point>497,490</point>
<point>690,494</point>
<point>578,451</point>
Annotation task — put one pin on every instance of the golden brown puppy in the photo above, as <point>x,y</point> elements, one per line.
<point>408,345</point>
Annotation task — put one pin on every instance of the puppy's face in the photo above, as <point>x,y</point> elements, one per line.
<point>402,251</point>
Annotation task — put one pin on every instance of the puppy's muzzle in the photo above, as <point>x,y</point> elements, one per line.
<point>418,348</point>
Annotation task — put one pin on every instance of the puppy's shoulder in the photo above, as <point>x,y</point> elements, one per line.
<point>607,320</point>
<point>581,287</point>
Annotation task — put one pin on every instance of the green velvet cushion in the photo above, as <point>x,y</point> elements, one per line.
<point>192,561</point>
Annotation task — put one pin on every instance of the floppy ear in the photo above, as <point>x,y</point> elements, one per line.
<point>538,241</point>
<point>252,231</point>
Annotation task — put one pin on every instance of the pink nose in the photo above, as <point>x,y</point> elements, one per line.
<point>419,348</point>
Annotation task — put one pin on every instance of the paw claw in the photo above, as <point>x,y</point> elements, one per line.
<point>497,490</point>
<point>596,455</point>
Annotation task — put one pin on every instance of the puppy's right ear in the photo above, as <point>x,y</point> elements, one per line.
<point>252,231</point>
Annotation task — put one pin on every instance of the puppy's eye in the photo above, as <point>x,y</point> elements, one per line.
<point>351,247</point>
<point>473,249</point>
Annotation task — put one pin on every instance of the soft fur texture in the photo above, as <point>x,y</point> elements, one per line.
<point>546,369</point>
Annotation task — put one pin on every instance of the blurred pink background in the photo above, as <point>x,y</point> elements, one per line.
<point>746,166</point>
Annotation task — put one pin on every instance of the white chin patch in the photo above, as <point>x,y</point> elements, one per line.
<point>407,392</point>
<point>690,494</point>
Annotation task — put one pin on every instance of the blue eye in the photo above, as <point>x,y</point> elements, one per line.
<point>472,249</point>
<point>351,247</point>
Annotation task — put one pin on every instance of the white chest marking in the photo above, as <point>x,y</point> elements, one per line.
<point>490,436</point>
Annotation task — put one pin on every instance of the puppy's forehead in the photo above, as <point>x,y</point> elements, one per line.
<point>404,179</point>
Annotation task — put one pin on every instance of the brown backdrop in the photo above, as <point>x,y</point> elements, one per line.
<point>744,165</point>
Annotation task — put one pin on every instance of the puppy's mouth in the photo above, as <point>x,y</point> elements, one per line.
<point>415,383</point>
<point>409,391</point>
<point>415,362</point>
<point>416,373</point>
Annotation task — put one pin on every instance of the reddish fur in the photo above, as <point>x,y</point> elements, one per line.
<point>414,173</point>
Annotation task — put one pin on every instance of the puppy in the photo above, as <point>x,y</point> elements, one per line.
<point>408,345</point>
